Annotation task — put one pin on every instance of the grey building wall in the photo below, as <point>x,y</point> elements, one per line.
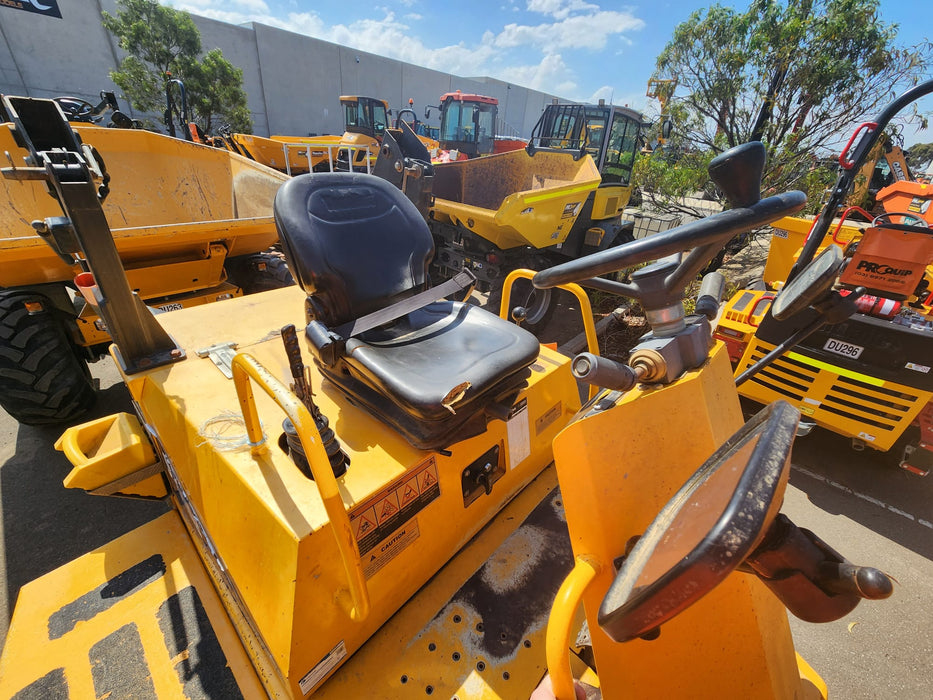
<point>293,82</point>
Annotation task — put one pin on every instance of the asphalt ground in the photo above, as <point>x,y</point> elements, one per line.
<point>872,514</point>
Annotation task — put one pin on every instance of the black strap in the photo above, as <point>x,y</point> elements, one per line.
<point>459,282</point>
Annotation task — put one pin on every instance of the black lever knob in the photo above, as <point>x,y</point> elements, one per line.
<point>737,172</point>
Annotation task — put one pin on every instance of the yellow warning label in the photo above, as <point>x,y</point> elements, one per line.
<point>379,518</point>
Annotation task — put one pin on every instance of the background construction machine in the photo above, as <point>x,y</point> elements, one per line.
<point>560,198</point>
<point>365,120</point>
<point>470,127</point>
<point>192,225</point>
<point>867,377</point>
<point>885,165</point>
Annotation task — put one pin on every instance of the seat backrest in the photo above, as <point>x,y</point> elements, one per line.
<point>353,242</point>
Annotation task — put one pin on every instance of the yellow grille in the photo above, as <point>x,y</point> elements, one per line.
<point>853,405</point>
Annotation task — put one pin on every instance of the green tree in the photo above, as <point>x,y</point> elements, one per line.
<point>920,157</point>
<point>797,74</point>
<point>164,43</point>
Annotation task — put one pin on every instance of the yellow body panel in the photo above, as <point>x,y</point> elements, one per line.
<point>298,154</point>
<point>109,449</point>
<point>138,617</point>
<point>278,154</point>
<point>514,199</point>
<point>169,200</point>
<point>615,476</point>
<point>610,201</point>
<point>849,403</point>
<point>790,233</point>
<point>267,521</point>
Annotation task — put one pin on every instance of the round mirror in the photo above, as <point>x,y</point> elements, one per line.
<point>811,284</point>
<point>706,530</point>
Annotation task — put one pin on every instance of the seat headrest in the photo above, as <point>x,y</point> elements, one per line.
<point>354,242</point>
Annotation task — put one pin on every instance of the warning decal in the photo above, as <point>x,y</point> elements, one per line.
<point>378,518</point>
<point>388,550</point>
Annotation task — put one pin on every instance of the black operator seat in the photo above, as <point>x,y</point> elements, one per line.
<point>357,245</point>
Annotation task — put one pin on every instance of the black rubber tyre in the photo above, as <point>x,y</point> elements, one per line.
<point>259,272</point>
<point>42,380</point>
<point>540,308</point>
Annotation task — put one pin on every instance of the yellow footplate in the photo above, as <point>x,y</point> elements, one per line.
<point>136,618</point>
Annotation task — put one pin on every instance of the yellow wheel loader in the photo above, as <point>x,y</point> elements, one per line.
<point>191,224</point>
<point>867,376</point>
<point>411,500</point>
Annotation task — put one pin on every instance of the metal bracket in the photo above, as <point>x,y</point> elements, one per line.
<point>221,355</point>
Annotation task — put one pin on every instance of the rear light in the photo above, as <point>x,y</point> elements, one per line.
<point>492,258</point>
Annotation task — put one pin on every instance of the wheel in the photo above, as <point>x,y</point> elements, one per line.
<point>42,380</point>
<point>259,272</point>
<point>539,307</point>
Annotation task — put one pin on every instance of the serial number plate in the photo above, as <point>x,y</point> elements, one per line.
<point>844,349</point>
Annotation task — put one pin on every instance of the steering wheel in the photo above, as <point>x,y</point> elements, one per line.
<point>916,219</point>
<point>75,108</point>
<point>737,172</point>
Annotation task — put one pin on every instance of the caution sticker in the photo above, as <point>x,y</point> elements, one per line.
<point>378,518</point>
<point>378,557</point>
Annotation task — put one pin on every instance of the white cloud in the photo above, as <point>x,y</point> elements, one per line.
<point>579,32</point>
<point>551,75</point>
<point>559,9</point>
<point>254,5</point>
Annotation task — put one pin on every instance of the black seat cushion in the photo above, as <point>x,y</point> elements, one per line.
<point>446,353</point>
<point>356,245</point>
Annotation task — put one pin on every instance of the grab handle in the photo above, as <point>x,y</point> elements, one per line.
<point>560,621</point>
<point>246,367</point>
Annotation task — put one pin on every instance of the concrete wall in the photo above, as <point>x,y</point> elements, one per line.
<point>293,82</point>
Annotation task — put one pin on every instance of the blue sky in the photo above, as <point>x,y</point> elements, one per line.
<point>579,49</point>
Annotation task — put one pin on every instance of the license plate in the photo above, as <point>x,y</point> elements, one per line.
<point>170,307</point>
<point>845,349</point>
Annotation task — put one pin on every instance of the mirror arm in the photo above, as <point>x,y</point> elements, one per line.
<point>814,581</point>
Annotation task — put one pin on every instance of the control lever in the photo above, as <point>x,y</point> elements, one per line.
<point>290,442</point>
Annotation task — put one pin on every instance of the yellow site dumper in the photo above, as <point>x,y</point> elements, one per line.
<point>559,199</point>
<point>410,499</point>
<point>191,224</point>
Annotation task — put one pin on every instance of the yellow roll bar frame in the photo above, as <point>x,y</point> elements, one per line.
<point>246,367</point>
